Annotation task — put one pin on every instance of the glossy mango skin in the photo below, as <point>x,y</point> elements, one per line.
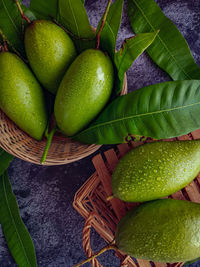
<point>84,91</point>
<point>164,230</point>
<point>21,96</point>
<point>156,170</point>
<point>50,52</point>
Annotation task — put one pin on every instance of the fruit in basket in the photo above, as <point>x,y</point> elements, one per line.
<point>50,51</point>
<point>164,230</point>
<point>84,91</point>
<point>156,170</point>
<point>21,96</point>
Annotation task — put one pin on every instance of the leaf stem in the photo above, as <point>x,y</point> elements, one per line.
<point>109,247</point>
<point>21,12</point>
<point>48,144</point>
<point>103,23</point>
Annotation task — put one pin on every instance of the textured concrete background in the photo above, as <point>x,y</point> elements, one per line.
<point>45,194</point>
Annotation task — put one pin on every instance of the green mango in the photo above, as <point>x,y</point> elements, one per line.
<point>156,170</point>
<point>164,230</point>
<point>50,52</point>
<point>84,91</point>
<point>21,97</point>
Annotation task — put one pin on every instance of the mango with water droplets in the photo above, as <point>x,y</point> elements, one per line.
<point>21,96</point>
<point>156,170</point>
<point>50,52</point>
<point>84,91</point>
<point>164,230</point>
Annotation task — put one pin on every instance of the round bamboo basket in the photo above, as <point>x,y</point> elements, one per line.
<point>63,150</point>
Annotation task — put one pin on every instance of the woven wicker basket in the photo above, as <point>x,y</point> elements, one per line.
<point>63,150</point>
<point>90,201</point>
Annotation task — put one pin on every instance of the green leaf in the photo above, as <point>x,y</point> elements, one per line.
<point>110,31</point>
<point>73,17</point>
<point>170,50</point>
<point>5,160</point>
<point>131,49</point>
<point>159,111</point>
<point>83,1</point>
<point>16,234</point>
<point>11,24</point>
<point>45,9</point>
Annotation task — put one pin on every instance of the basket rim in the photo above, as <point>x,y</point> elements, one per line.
<point>22,149</point>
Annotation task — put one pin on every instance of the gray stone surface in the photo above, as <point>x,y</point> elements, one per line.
<point>45,194</point>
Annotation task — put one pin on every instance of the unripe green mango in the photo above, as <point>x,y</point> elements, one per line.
<point>156,170</point>
<point>50,52</point>
<point>21,97</point>
<point>84,91</point>
<point>164,230</point>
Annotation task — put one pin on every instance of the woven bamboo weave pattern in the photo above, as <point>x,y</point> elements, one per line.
<point>90,201</point>
<point>63,150</point>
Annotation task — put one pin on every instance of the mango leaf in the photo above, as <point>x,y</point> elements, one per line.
<point>45,9</point>
<point>159,111</point>
<point>110,31</point>
<point>131,49</point>
<point>170,50</point>
<point>5,160</point>
<point>73,17</point>
<point>11,24</point>
<point>16,234</point>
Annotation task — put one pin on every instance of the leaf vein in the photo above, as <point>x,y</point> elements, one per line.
<point>139,115</point>
<point>111,30</point>
<point>165,46</point>
<point>10,16</point>
<point>133,44</point>
<point>74,18</point>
